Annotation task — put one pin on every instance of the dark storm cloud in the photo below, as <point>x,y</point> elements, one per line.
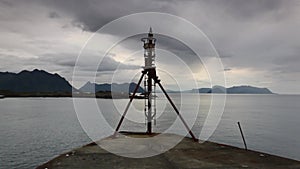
<point>54,15</point>
<point>6,3</point>
<point>69,60</point>
<point>90,15</point>
<point>87,15</point>
<point>245,9</point>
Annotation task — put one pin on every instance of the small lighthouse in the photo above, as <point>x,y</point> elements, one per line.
<point>150,81</point>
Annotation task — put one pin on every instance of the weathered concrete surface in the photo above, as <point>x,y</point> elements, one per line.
<point>187,154</point>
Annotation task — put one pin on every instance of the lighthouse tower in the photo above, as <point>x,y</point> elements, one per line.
<point>149,80</point>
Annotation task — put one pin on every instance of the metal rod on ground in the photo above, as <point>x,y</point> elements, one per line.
<point>127,107</point>
<point>242,135</point>
<point>176,110</point>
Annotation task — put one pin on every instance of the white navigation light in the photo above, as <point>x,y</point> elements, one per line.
<point>149,53</point>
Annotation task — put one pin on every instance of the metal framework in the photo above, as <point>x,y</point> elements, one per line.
<point>150,81</point>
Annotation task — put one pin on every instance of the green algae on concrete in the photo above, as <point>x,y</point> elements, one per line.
<point>186,154</point>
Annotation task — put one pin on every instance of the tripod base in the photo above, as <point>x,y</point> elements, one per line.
<point>151,73</point>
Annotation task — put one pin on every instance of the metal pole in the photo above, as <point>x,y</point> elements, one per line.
<point>176,110</point>
<point>149,115</point>
<point>127,107</point>
<point>242,135</point>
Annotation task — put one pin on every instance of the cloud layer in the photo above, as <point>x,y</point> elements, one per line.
<point>257,40</point>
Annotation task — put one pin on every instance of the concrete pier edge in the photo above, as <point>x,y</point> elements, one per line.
<point>186,154</point>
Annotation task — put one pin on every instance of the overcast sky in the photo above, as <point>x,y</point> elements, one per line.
<point>258,40</point>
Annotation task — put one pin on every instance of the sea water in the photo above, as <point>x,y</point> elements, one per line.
<point>34,130</point>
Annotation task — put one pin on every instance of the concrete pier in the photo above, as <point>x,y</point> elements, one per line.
<point>186,154</point>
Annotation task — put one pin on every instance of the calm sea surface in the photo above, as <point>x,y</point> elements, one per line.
<point>34,130</point>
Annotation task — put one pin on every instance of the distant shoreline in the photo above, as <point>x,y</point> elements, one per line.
<point>103,95</point>
<point>106,95</point>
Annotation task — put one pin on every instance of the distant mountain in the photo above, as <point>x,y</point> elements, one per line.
<point>248,90</point>
<point>204,90</point>
<point>36,81</point>
<point>124,87</point>
<point>40,81</point>
<point>217,89</point>
<point>233,90</point>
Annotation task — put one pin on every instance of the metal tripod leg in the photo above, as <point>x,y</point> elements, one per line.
<point>176,110</point>
<point>129,103</point>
